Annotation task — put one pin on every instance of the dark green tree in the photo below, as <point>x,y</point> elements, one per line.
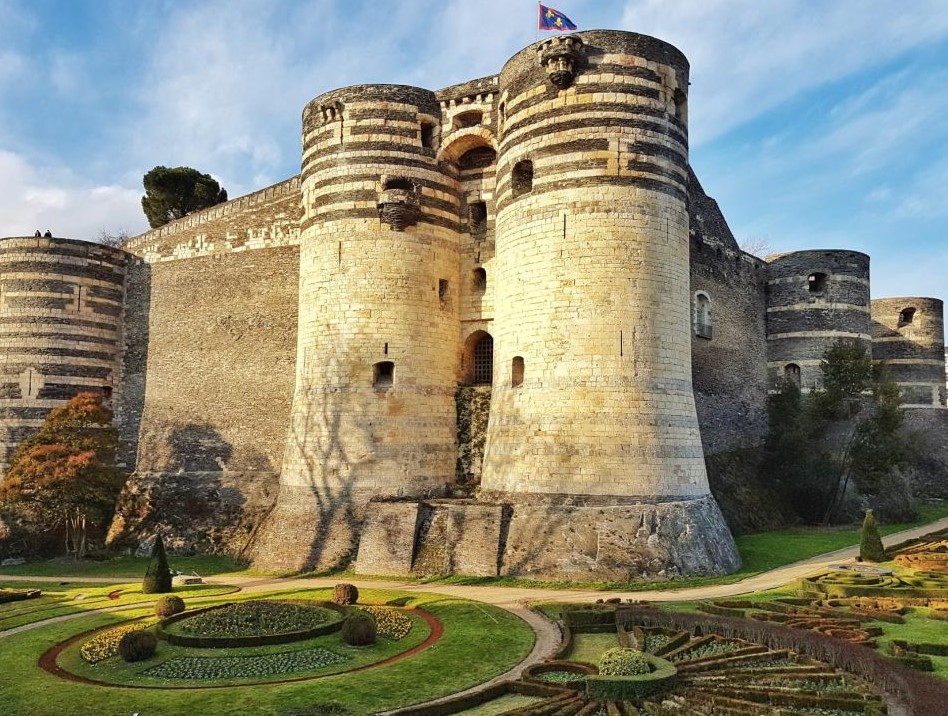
<point>870,546</point>
<point>158,575</point>
<point>171,193</point>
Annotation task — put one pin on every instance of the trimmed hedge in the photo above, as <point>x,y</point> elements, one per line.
<point>137,646</point>
<point>345,594</point>
<point>532,673</point>
<point>460,704</point>
<point>168,606</point>
<point>18,595</point>
<point>233,642</point>
<point>924,695</point>
<point>590,620</point>
<point>359,629</point>
<point>631,688</point>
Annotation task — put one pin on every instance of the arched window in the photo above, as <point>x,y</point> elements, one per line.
<point>703,323</point>
<point>521,181</point>
<point>791,373</point>
<point>906,317</point>
<point>479,280</point>
<point>471,118</point>
<point>816,282</point>
<point>484,360</point>
<point>681,105</point>
<point>516,371</point>
<point>383,374</point>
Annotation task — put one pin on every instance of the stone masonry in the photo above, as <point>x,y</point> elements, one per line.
<point>490,329</point>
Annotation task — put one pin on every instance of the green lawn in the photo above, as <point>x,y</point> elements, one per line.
<point>125,567</point>
<point>479,642</point>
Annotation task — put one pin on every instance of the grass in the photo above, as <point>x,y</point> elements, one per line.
<point>480,641</point>
<point>125,567</point>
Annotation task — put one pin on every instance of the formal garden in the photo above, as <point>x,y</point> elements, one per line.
<point>857,639</point>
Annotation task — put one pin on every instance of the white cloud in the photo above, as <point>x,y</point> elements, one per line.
<point>748,57</point>
<point>55,198</point>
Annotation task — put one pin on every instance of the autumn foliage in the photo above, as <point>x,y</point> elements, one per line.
<point>64,476</point>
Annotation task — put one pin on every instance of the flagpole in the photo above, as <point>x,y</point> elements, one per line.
<point>537,38</point>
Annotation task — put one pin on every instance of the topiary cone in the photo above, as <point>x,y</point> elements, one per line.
<point>870,547</point>
<point>158,575</point>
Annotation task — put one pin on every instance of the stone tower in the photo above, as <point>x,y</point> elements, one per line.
<point>60,328</point>
<point>908,334</point>
<point>814,298</point>
<point>593,438</point>
<point>373,412</point>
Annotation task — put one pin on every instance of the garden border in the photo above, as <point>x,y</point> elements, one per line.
<point>48,662</point>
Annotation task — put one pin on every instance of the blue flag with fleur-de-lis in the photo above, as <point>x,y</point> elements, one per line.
<point>551,19</point>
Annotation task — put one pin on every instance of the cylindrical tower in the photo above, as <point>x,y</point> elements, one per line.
<point>373,412</point>
<point>814,298</point>
<point>593,437</point>
<point>60,328</point>
<point>908,335</point>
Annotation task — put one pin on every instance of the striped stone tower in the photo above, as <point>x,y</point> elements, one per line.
<point>908,335</point>
<point>60,328</point>
<point>373,412</point>
<point>814,298</point>
<point>593,437</point>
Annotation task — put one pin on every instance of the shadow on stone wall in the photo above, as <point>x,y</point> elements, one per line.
<point>208,497</point>
<point>131,395</point>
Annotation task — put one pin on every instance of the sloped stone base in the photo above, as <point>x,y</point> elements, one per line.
<point>619,542</point>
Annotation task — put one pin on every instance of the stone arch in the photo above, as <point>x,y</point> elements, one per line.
<point>464,140</point>
<point>477,359</point>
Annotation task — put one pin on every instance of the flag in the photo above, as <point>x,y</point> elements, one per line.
<point>551,19</point>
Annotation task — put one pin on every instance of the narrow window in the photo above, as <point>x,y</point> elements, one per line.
<point>791,373</point>
<point>467,119</point>
<point>906,317</point>
<point>816,282</point>
<point>503,111</point>
<point>383,374</point>
<point>477,217</point>
<point>484,360</point>
<point>703,326</point>
<point>428,135</point>
<point>480,280</point>
<point>516,371</point>
<point>681,105</point>
<point>521,181</point>
<point>443,291</point>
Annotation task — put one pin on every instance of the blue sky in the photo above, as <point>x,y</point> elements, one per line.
<point>814,123</point>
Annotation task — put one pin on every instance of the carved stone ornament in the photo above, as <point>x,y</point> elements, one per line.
<point>560,57</point>
<point>399,208</point>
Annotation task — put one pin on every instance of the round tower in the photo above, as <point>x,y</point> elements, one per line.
<point>373,411</point>
<point>593,437</point>
<point>814,298</point>
<point>908,335</point>
<point>60,328</point>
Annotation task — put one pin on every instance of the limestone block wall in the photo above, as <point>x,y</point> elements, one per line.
<point>814,298</point>
<point>908,335</point>
<point>592,296</point>
<point>728,322</point>
<point>377,358</point>
<point>61,305</point>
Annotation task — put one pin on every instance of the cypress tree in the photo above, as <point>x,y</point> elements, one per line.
<point>158,575</point>
<point>870,548</point>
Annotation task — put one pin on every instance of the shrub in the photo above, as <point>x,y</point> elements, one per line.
<point>345,594</point>
<point>870,548</point>
<point>138,646</point>
<point>105,644</point>
<point>359,629</point>
<point>169,606</point>
<point>158,576</point>
<point>623,662</point>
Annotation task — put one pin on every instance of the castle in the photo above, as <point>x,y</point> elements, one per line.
<point>516,282</point>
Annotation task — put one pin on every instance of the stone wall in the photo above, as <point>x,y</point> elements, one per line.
<point>61,307</point>
<point>208,395</point>
<point>729,353</point>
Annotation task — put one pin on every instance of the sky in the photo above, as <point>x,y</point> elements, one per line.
<point>814,123</point>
